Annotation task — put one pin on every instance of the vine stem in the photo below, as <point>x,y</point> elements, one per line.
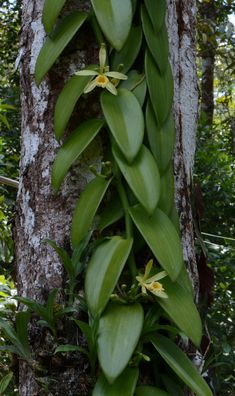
<point>128,224</point>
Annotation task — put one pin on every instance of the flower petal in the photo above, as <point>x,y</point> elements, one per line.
<point>86,72</point>
<point>102,56</point>
<point>111,88</point>
<point>156,277</point>
<point>90,86</point>
<point>148,269</point>
<point>119,76</point>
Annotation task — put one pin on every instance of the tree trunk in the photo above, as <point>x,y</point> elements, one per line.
<point>42,214</point>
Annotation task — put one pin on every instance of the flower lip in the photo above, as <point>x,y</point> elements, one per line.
<point>101,80</point>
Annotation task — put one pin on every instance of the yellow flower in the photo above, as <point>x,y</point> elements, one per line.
<point>151,284</point>
<point>102,75</point>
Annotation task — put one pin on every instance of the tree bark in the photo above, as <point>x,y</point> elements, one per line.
<point>42,214</point>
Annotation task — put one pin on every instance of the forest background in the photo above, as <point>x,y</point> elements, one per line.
<point>214,179</point>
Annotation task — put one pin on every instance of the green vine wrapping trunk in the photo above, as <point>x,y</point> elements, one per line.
<point>137,292</point>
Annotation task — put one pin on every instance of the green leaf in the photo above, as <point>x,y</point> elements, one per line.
<point>72,148</point>
<point>119,331</point>
<point>112,212</point>
<point>181,364</point>
<point>136,83</point>
<point>5,381</point>
<point>180,307</point>
<point>51,10</point>
<point>125,119</point>
<point>50,304</point>
<point>115,19</point>
<point>86,208</point>
<point>8,331</point>
<point>55,45</point>
<point>142,177</point>
<point>162,238</point>
<point>66,101</point>
<point>157,43</point>
<point>126,382</point>
<point>70,348</point>
<point>149,391</point>
<point>64,256</point>
<point>161,138</point>
<point>156,11</point>
<point>166,200</point>
<point>22,320</point>
<point>160,89</point>
<point>127,55</point>
<point>103,271</point>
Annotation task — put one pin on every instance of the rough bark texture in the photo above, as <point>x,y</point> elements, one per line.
<point>41,213</point>
<point>182,25</point>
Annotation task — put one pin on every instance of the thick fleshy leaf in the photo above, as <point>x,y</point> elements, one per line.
<point>86,208</point>
<point>114,17</point>
<point>70,348</point>
<point>55,45</point>
<point>125,119</point>
<point>72,148</point>
<point>119,331</point>
<point>51,10</point>
<point>112,212</point>
<point>66,102</point>
<point>142,177</point>
<point>160,89</point>
<point>161,138</point>
<point>166,200</point>
<point>126,382</point>
<point>136,83</point>
<point>180,307</point>
<point>157,43</point>
<point>103,271</point>
<point>150,391</point>
<point>162,238</point>
<point>173,388</point>
<point>127,55</point>
<point>156,11</point>
<point>181,365</point>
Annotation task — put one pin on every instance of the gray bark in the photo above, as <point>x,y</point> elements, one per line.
<point>42,214</point>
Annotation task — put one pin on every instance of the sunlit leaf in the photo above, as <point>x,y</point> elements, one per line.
<point>181,365</point>
<point>162,238</point>
<point>115,19</point>
<point>103,271</point>
<point>127,55</point>
<point>72,148</point>
<point>119,332</point>
<point>160,89</point>
<point>142,177</point>
<point>86,208</point>
<point>54,45</point>
<point>125,119</point>
<point>157,43</point>
<point>126,382</point>
<point>51,10</point>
